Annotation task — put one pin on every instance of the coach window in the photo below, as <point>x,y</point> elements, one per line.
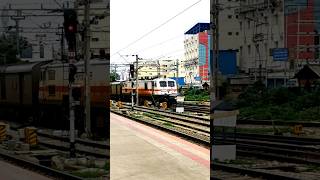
<point>51,74</point>
<point>171,83</point>
<point>52,90</point>
<point>163,83</point>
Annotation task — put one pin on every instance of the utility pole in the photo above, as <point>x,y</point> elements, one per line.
<point>131,75</point>
<point>177,69</point>
<point>215,48</point>
<point>87,65</point>
<point>62,45</point>
<point>17,18</point>
<point>137,83</point>
<point>115,72</point>
<point>158,68</point>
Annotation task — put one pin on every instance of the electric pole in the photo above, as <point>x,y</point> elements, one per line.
<point>215,48</point>
<point>158,68</point>
<point>62,45</point>
<point>131,74</point>
<point>137,83</point>
<point>17,18</point>
<point>177,68</point>
<point>87,65</point>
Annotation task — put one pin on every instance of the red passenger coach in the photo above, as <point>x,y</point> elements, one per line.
<point>53,94</point>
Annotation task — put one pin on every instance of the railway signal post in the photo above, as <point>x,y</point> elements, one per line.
<point>70,26</point>
<point>137,84</point>
<point>131,77</point>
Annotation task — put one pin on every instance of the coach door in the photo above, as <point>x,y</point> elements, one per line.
<point>153,84</point>
<point>149,87</point>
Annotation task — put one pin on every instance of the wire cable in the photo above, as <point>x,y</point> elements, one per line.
<point>154,29</point>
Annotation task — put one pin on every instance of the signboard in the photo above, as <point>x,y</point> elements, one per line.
<point>293,6</point>
<point>280,54</point>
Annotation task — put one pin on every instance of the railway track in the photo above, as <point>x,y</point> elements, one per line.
<point>61,143</point>
<point>287,149</point>
<point>183,117</point>
<point>49,172</point>
<point>194,108</point>
<point>221,171</point>
<point>200,108</point>
<point>91,148</point>
<point>278,123</point>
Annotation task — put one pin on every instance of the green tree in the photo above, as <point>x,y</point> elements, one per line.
<point>8,49</point>
<point>114,76</point>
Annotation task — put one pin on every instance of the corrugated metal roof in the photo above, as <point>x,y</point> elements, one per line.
<point>80,63</point>
<point>20,67</point>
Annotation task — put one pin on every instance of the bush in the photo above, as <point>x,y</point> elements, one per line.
<point>197,95</point>
<point>283,104</point>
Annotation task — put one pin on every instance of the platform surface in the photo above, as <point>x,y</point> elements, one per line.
<point>140,152</point>
<point>12,172</point>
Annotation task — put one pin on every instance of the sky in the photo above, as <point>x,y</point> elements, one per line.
<point>130,20</point>
<point>31,25</point>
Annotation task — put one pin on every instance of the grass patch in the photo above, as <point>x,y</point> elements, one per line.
<point>313,168</point>
<point>153,115</point>
<point>91,174</point>
<point>107,166</point>
<point>196,95</point>
<point>168,124</point>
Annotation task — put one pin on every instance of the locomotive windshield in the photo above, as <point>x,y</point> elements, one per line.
<point>163,83</point>
<point>171,83</point>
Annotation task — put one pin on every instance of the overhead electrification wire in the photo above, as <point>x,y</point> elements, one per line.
<point>158,44</point>
<point>154,29</point>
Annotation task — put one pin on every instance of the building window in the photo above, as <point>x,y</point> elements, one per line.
<point>276,44</point>
<point>237,33</point>
<point>230,16</point>
<point>51,74</point>
<point>229,33</point>
<point>95,39</point>
<point>52,90</point>
<point>96,22</point>
<point>249,49</point>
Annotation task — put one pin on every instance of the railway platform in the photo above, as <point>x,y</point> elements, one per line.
<point>142,152</point>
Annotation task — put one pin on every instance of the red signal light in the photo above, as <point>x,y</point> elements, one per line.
<point>71,28</point>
